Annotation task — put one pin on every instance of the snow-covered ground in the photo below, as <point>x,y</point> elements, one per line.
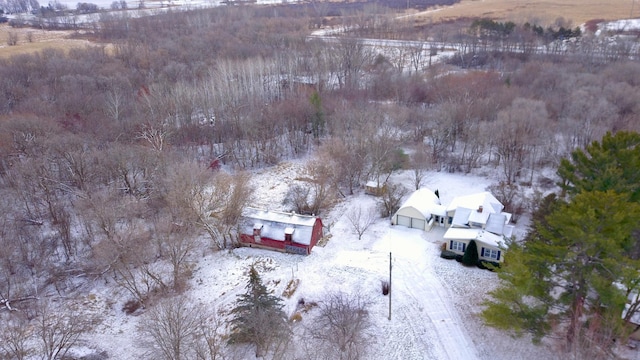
<point>435,302</point>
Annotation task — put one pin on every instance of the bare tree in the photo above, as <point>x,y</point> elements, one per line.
<point>15,338</point>
<point>178,241</point>
<point>361,219</point>
<point>315,193</point>
<point>212,201</point>
<point>12,38</point>
<point>173,330</point>
<point>384,153</point>
<point>352,55</point>
<point>420,162</point>
<point>121,241</point>
<point>210,336</point>
<point>438,132</point>
<point>511,196</point>
<point>58,329</point>
<point>391,199</point>
<point>298,197</point>
<point>343,326</point>
<point>416,56</point>
<point>513,132</point>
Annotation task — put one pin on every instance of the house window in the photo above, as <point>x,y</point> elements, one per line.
<point>490,254</point>
<point>457,246</point>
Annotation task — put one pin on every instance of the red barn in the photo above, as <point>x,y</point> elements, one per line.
<point>281,231</point>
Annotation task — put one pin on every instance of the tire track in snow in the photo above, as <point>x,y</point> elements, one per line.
<point>417,288</point>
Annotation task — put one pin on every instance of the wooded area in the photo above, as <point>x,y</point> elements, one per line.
<point>109,158</point>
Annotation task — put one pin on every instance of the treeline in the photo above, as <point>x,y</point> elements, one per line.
<point>489,27</point>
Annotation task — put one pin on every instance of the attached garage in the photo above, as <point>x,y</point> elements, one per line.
<point>410,222</point>
<point>403,220</point>
<point>418,210</point>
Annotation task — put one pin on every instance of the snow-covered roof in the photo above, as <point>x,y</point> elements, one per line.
<point>280,216</point>
<point>475,234</point>
<point>484,199</point>
<point>373,184</point>
<point>275,224</point>
<point>497,222</point>
<point>461,217</point>
<point>426,202</point>
<point>482,205</point>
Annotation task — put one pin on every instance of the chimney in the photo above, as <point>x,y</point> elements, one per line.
<point>480,208</point>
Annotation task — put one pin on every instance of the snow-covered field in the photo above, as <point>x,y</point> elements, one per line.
<point>435,302</point>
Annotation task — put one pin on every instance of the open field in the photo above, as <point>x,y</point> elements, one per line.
<point>538,11</point>
<point>34,40</point>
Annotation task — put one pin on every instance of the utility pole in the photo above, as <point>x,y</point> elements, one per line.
<point>389,285</point>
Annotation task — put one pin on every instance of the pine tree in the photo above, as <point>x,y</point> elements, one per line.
<point>578,253</point>
<point>470,257</point>
<point>317,122</point>
<point>258,317</point>
<point>579,262</point>
<point>611,164</point>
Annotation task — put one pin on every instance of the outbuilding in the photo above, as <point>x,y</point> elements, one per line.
<point>421,210</point>
<point>281,231</point>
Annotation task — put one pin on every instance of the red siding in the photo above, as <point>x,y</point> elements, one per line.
<point>249,240</point>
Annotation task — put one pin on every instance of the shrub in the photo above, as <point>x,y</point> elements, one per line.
<point>470,257</point>
<point>446,254</point>
<point>131,306</point>
<point>488,265</point>
<point>291,288</point>
<point>385,287</point>
<point>296,317</point>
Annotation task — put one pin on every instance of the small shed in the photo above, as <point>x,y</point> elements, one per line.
<point>420,211</point>
<point>490,246</point>
<point>375,188</point>
<point>280,231</point>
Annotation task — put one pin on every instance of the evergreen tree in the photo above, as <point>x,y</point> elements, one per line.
<point>258,317</point>
<point>611,164</point>
<point>470,257</point>
<point>579,263</point>
<point>567,270</point>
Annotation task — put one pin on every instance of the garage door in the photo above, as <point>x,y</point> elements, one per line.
<point>417,223</point>
<point>404,221</point>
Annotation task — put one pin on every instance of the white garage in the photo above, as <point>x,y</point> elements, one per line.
<point>410,222</point>
<point>419,211</point>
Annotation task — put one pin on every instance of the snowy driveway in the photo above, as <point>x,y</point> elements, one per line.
<point>419,294</point>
